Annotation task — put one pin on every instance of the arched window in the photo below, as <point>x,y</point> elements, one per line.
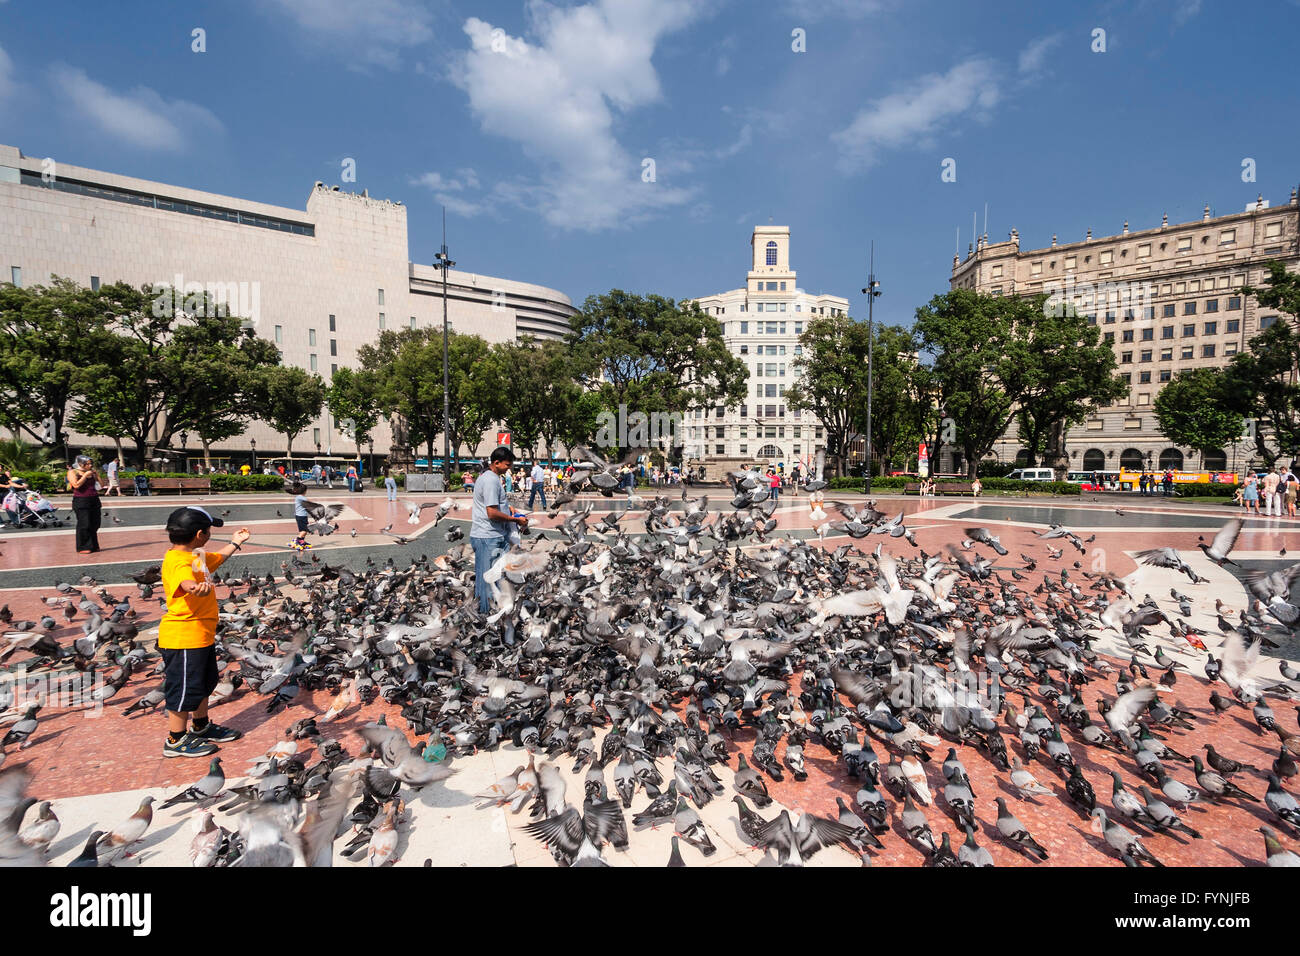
<point>1215,460</point>
<point>1022,458</point>
<point>1172,459</point>
<point>1094,459</point>
<point>770,451</point>
<point>771,253</point>
<point>1130,459</point>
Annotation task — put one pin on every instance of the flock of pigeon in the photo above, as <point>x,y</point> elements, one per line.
<point>632,667</point>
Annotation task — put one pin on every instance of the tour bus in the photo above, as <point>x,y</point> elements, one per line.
<point>1129,479</point>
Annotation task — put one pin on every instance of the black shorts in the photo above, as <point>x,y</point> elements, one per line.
<point>190,675</point>
<point>303,521</point>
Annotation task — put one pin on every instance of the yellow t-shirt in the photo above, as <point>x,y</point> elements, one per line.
<point>191,620</point>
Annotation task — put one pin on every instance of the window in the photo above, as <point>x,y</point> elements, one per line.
<point>758,391</point>
<point>1128,378</point>
<point>758,370</point>
<point>313,361</point>
<point>1227,237</point>
<point>1069,262</point>
<point>1036,268</point>
<point>1144,250</point>
<point>1125,358</point>
<point>1184,243</point>
<point>781,373</point>
<point>1167,332</point>
<point>769,391</point>
<point>744,449</point>
<point>412,321</point>
<point>771,370</point>
<point>781,350</point>
<point>315,436</point>
<point>1092,318</point>
<point>1211,305</point>
<point>744,350</point>
<point>1166,355</point>
<point>1189,308</point>
<point>1230,348</point>
<point>744,413</point>
<point>744,328</point>
<point>279,333</point>
<point>1144,378</point>
<point>334,347</point>
<point>382,323</point>
<point>94,283</point>
<point>771,253</point>
<point>996,273</point>
<point>1106,258</point>
<point>332,323</point>
<point>1169,311</point>
<point>1265,321</point>
<point>1189,351</point>
<point>1126,335</point>
<point>1148,312</point>
<point>381,296</point>
<point>798,350</point>
<point>1273,229</point>
<point>333,367</point>
<point>1148,335</point>
<point>1145,355</point>
<point>16,276</point>
<point>1110,318</point>
<point>1128,315</point>
<point>1232,325</point>
<point>720,449</point>
<point>1189,329</point>
<point>1144,398</point>
<point>768,286</point>
<point>311,336</point>
<point>782,286</point>
<point>1211,328</point>
<point>1234,303</point>
<point>771,328</point>
<point>1109,337</point>
<point>1165,375</point>
<point>1207,351</point>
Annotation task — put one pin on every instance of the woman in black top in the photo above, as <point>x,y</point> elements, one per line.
<point>83,478</point>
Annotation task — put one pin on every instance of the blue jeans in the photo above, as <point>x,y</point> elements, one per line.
<point>391,485</point>
<point>537,490</point>
<point>486,552</point>
<point>352,483</point>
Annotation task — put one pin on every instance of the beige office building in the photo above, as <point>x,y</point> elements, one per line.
<point>1168,300</point>
<point>320,282</point>
<point>761,324</point>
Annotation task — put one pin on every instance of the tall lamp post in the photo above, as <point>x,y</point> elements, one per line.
<point>185,457</point>
<point>445,264</point>
<point>252,448</point>
<point>871,291</point>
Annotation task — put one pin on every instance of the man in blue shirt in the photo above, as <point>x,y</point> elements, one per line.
<point>539,484</point>
<point>490,522</point>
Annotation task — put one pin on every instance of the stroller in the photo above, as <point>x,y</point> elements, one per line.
<point>28,508</point>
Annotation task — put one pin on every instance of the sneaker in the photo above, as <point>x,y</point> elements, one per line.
<point>189,746</point>
<point>216,733</point>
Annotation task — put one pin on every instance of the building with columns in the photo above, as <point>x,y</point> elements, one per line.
<point>761,324</point>
<point>1167,299</point>
<point>320,282</point>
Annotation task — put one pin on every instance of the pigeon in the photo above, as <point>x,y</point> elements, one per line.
<point>1127,845</point>
<point>1216,786</point>
<point>118,841</point>
<point>1282,803</point>
<point>1024,781</point>
<point>208,787</point>
<point>41,832</point>
<point>794,845</point>
<point>89,855</point>
<point>984,536</point>
<point>971,853</point>
<point>1015,833</point>
<point>1162,816</point>
<point>749,784</point>
<point>1224,540</point>
<point>1278,855</point>
<point>688,826</point>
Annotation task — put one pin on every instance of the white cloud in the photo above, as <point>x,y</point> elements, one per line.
<point>367,32</point>
<point>913,116</point>
<point>559,97</point>
<point>1184,10</point>
<point>813,10</point>
<point>1034,56</point>
<point>141,117</point>
<point>449,191</point>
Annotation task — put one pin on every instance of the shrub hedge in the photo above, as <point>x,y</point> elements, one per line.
<point>1207,490</point>
<point>897,483</point>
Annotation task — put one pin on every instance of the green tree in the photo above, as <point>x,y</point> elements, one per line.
<point>288,398</point>
<point>353,399</point>
<point>49,336</point>
<point>407,365</point>
<point>475,387</point>
<point>1263,383</point>
<point>1193,410</point>
<point>653,354</point>
<point>832,379</point>
<point>901,404</point>
<point>18,455</point>
<point>540,393</point>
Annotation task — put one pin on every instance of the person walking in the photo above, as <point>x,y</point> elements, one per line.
<point>110,471</point>
<point>1142,483</point>
<point>539,485</point>
<point>491,522</point>
<point>390,485</point>
<point>83,479</point>
<point>774,483</point>
<point>352,477</point>
<point>1269,494</point>
<point>299,492</point>
<point>1287,488</point>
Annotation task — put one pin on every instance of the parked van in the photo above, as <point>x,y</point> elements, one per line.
<point>1033,474</point>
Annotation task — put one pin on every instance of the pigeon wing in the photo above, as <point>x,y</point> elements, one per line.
<point>1227,537</point>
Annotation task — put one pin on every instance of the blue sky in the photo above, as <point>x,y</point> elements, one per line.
<point>533,121</point>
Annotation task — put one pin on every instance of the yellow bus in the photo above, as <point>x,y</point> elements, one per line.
<point>1128,480</point>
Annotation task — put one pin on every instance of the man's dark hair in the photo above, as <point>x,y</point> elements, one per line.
<point>297,488</point>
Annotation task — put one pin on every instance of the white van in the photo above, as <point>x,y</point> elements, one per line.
<point>1033,474</point>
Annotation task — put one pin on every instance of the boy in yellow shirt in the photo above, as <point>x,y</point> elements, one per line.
<point>188,631</point>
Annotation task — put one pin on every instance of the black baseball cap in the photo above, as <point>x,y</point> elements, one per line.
<point>190,520</point>
<point>502,453</point>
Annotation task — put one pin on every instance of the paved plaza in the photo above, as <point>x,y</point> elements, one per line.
<point>95,768</point>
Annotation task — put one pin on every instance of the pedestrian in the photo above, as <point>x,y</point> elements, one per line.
<point>491,522</point>
<point>976,488</point>
<point>352,478</point>
<point>539,485</point>
<point>1290,484</point>
<point>1142,483</point>
<point>1270,494</point>
<point>187,632</point>
<point>466,481</point>
<point>110,471</point>
<point>299,492</point>
<point>774,483</point>
<point>390,485</point>
<point>316,474</point>
<point>83,479</point>
<point>1250,493</point>
<point>1168,483</point>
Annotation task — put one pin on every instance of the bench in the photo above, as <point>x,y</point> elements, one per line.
<point>940,488</point>
<point>180,485</point>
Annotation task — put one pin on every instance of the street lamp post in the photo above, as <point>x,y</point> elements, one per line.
<point>871,291</point>
<point>185,457</point>
<point>252,448</point>
<point>444,263</point>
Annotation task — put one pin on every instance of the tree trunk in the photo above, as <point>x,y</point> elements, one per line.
<point>118,442</point>
<point>142,453</point>
<point>207,452</point>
